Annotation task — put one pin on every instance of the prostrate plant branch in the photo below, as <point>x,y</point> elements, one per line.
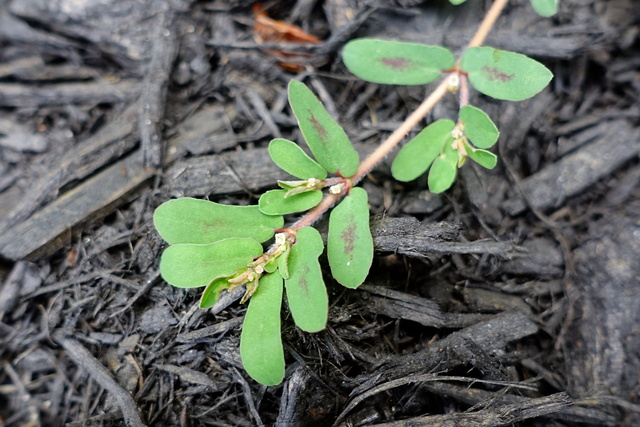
<point>200,231</point>
<point>410,122</point>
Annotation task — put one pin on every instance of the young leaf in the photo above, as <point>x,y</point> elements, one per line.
<point>192,266</point>
<point>197,221</point>
<point>290,158</point>
<point>273,202</point>
<point>306,292</point>
<point>417,155</point>
<point>349,243</point>
<point>545,8</point>
<point>396,63</point>
<point>283,264</point>
<point>211,293</point>
<point>478,127</point>
<point>260,341</point>
<point>326,139</point>
<point>444,169</point>
<point>504,75</point>
<point>482,157</point>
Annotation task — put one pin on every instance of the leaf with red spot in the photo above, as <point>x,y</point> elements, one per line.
<point>326,139</point>
<point>261,341</point>
<point>198,221</point>
<point>504,75</point>
<point>306,292</point>
<point>396,63</point>
<point>349,242</point>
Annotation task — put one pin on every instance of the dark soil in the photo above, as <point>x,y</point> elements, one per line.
<point>514,298</point>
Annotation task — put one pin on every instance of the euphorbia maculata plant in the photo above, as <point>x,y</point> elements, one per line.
<point>220,247</point>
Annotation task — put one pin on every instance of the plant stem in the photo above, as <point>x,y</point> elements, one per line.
<point>487,23</point>
<point>410,122</point>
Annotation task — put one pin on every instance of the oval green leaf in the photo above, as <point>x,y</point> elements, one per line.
<point>545,8</point>
<point>273,202</point>
<point>444,170</point>
<point>198,221</point>
<point>417,155</point>
<point>292,159</point>
<point>260,341</point>
<point>349,242</point>
<point>306,292</point>
<point>504,75</point>
<point>482,157</point>
<point>396,63</point>
<point>478,127</point>
<point>326,139</point>
<point>192,266</point>
<point>211,293</point>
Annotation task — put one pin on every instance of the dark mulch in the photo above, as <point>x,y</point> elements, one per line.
<point>513,298</point>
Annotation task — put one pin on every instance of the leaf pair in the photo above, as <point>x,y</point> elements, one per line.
<point>329,145</point>
<point>443,146</point>
<point>496,73</point>
<point>261,342</point>
<point>209,240</point>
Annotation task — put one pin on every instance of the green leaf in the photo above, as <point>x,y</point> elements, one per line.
<point>260,341</point>
<point>545,8</point>
<point>504,75</point>
<point>417,155</point>
<point>192,266</point>
<point>292,159</point>
<point>211,293</point>
<point>444,169</point>
<point>478,127</point>
<point>283,264</point>
<point>326,139</point>
<point>306,292</point>
<point>349,242</point>
<point>483,157</point>
<point>396,63</point>
<point>273,202</point>
<point>272,265</point>
<point>457,2</point>
<point>197,221</point>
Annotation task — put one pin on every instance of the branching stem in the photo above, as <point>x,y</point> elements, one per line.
<point>423,109</point>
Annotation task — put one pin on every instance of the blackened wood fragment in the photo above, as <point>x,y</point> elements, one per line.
<point>473,396</point>
<point>22,95</point>
<point>111,142</point>
<point>154,87</point>
<point>408,236</point>
<point>209,331</point>
<point>461,347</point>
<point>292,403</point>
<point>491,417</point>
<point>553,185</point>
<point>602,348</point>
<point>100,374</point>
<point>190,375</point>
<point>399,305</point>
<point>52,226</point>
